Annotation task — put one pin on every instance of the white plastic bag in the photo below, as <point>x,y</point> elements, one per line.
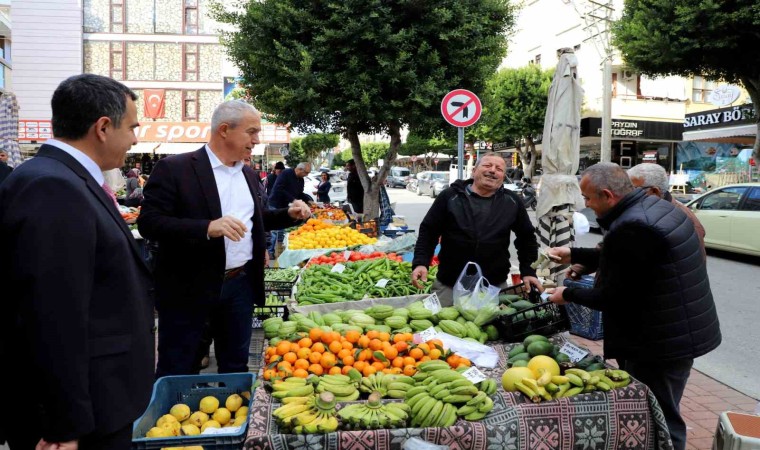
<point>473,292</point>
<point>580,223</point>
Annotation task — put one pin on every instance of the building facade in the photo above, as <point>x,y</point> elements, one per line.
<point>167,51</point>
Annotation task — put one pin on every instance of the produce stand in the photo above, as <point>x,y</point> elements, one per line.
<point>622,418</point>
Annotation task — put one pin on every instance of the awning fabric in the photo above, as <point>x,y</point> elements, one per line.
<point>173,148</point>
<point>144,147</point>
<point>716,133</point>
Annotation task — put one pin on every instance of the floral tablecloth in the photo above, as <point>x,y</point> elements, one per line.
<point>628,418</point>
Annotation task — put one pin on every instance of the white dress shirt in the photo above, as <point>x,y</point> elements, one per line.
<point>81,158</point>
<point>235,197</point>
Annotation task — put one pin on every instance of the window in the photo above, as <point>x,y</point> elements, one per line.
<point>725,199</point>
<point>191,16</point>
<point>191,68</point>
<point>538,60</point>
<point>190,106</point>
<point>701,89</point>
<point>117,16</point>
<point>752,202</point>
<point>118,62</point>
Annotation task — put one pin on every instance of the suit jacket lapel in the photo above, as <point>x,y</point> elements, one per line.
<point>49,151</point>
<point>205,174</point>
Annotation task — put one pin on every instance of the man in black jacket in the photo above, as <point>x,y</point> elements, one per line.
<point>354,188</point>
<point>651,285</point>
<point>474,220</point>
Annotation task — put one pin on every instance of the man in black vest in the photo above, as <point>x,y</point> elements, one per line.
<point>651,284</point>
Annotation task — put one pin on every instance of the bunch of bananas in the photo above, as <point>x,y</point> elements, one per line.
<point>292,387</point>
<point>574,382</point>
<point>442,394</point>
<point>342,386</point>
<point>374,414</point>
<point>309,414</point>
<point>387,385</point>
<point>489,386</point>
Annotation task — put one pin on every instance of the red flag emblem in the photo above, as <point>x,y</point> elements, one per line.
<point>154,103</point>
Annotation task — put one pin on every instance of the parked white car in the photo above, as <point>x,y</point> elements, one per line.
<point>337,185</point>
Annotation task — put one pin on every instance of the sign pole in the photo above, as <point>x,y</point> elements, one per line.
<point>460,151</point>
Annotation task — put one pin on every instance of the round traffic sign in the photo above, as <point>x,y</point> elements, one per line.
<point>461,108</point>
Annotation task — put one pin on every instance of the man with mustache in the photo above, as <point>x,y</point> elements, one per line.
<point>474,220</point>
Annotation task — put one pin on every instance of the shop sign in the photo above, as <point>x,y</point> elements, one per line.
<point>624,129</point>
<point>200,132</point>
<point>651,156</point>
<point>35,130</point>
<point>719,117</point>
<point>724,95</point>
<point>633,129</point>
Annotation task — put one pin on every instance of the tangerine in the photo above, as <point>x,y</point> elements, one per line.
<point>383,336</point>
<point>316,369</point>
<point>328,360</point>
<point>305,343</point>
<point>409,370</point>
<point>353,336</point>
<point>416,353</point>
<point>318,347</point>
<point>301,363</point>
<point>315,334</point>
<point>315,357</point>
<point>300,373</point>
<point>283,347</point>
<point>335,370</point>
<point>375,344</point>
<point>369,370</point>
<point>372,334</point>
<point>390,352</point>
<point>303,353</point>
<point>398,362</point>
<point>435,354</point>
<point>335,347</point>
<point>363,341</point>
<point>290,357</point>
<point>348,360</point>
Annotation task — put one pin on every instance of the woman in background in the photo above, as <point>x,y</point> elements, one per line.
<point>323,189</point>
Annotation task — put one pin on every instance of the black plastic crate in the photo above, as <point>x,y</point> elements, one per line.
<point>261,313</point>
<point>278,286</point>
<point>544,318</point>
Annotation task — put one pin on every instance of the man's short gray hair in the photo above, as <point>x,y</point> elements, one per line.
<point>303,165</point>
<point>652,174</point>
<point>610,176</point>
<point>230,112</point>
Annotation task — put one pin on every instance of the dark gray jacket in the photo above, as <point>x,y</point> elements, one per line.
<point>651,283</point>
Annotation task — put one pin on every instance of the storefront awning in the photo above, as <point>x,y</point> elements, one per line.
<point>143,147</point>
<point>259,150</point>
<point>717,134</point>
<point>173,148</point>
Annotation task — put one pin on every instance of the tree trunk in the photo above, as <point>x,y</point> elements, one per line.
<point>373,185</point>
<point>753,88</point>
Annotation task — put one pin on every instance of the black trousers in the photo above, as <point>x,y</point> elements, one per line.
<point>118,440</point>
<point>667,381</point>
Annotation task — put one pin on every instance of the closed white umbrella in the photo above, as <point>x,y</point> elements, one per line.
<point>559,193</point>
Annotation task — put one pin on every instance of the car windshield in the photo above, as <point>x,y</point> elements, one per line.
<point>440,176</point>
<point>400,172</point>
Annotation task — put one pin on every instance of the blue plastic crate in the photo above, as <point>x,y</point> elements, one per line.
<point>190,389</point>
<point>584,322</point>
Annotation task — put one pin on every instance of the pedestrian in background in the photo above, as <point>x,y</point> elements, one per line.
<point>204,210</point>
<point>323,189</point>
<point>651,286</point>
<point>654,180</point>
<point>78,327</point>
<point>354,188</point>
<point>272,177</point>
<point>5,169</point>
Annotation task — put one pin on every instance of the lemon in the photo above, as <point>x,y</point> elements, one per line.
<point>166,418</point>
<point>190,430</point>
<point>210,424</point>
<point>198,418</point>
<point>157,432</point>
<point>222,415</point>
<point>180,411</point>
<point>242,412</point>
<point>209,404</point>
<point>240,420</point>
<point>234,402</point>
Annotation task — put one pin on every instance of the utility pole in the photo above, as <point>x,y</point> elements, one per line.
<point>597,16</point>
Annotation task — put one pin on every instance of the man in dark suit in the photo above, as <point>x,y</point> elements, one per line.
<point>5,169</point>
<point>204,210</point>
<point>77,329</point>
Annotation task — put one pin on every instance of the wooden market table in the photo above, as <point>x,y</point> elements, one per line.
<point>626,418</point>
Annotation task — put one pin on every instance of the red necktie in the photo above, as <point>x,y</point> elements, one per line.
<point>110,194</point>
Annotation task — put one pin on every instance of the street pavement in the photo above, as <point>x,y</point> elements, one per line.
<point>735,286</point>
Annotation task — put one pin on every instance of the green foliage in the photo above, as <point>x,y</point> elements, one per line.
<point>296,154</point>
<point>371,152</point>
<point>713,39</point>
<point>362,65</point>
<point>418,145</point>
<point>514,104</point>
<point>314,144</point>
<point>691,37</point>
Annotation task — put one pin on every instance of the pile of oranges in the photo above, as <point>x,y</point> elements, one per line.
<point>318,234</point>
<point>322,352</point>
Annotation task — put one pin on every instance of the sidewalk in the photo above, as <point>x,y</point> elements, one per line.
<point>703,401</point>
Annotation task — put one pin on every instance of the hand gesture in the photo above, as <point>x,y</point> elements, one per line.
<point>559,255</point>
<point>227,226</point>
<point>299,210</point>
<point>420,272</point>
<point>44,445</point>
<point>556,295</point>
<point>533,281</point>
